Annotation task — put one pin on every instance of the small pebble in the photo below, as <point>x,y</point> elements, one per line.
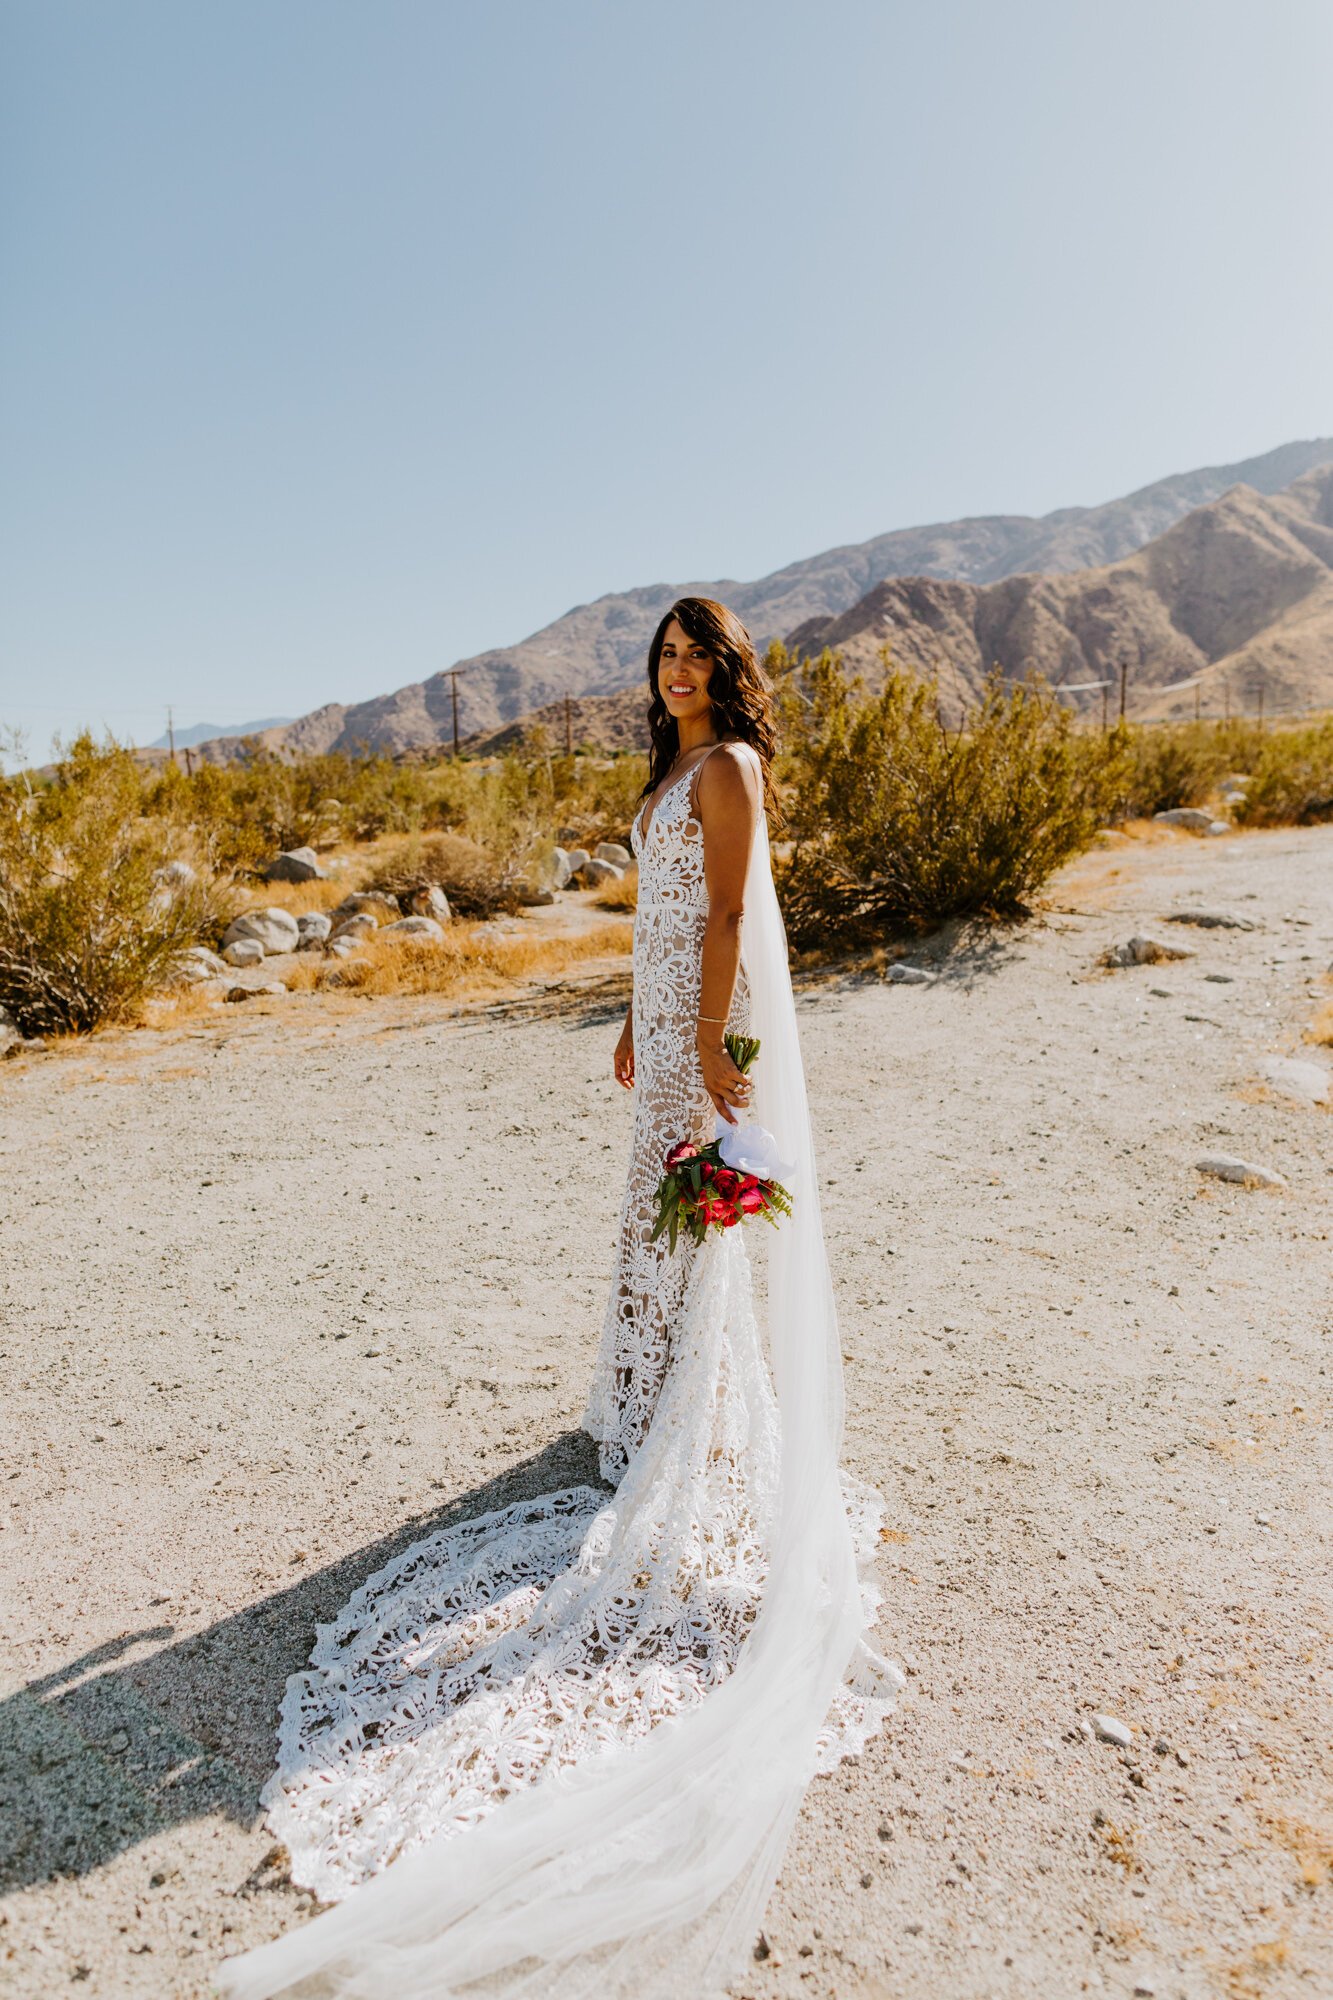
<point>1112,1730</point>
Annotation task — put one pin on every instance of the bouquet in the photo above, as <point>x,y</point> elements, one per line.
<point>734,1177</point>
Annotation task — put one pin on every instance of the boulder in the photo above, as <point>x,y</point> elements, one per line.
<point>1223,1167</point>
<point>430,902</point>
<point>1144,951</point>
<point>354,929</point>
<point>909,975</point>
<point>594,872</point>
<point>197,963</point>
<point>576,857</point>
<point>1192,817</point>
<point>243,951</point>
<point>1216,826</point>
<point>176,875</point>
<point>533,898</point>
<point>295,864</point>
<point>273,929</point>
<point>1305,1082</point>
<point>1213,920</point>
<point>373,902</point>
<point>313,925</point>
<point>551,870</point>
<point>422,927</point>
<point>9,1028</point>
<point>612,850</point>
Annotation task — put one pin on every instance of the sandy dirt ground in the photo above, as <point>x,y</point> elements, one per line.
<point>289,1285</point>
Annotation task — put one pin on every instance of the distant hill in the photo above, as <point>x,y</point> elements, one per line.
<point>600,648</point>
<point>1236,595</point>
<point>204,732</point>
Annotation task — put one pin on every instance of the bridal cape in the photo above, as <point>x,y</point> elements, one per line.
<point>559,1750</point>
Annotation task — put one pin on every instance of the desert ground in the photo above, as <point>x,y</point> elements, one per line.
<point>288,1284</point>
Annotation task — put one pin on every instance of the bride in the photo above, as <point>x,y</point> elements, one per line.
<point>558,1750</point>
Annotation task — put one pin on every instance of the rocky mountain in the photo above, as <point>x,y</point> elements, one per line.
<point>600,648</point>
<point>1237,595</point>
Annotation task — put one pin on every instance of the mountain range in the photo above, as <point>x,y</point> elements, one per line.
<point>992,581</point>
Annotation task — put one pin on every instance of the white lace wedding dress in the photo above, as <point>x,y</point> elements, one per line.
<point>534,1649</point>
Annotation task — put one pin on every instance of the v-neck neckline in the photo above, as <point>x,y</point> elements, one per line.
<point>665,793</point>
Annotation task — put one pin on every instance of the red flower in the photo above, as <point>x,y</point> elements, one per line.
<point>682,1150</point>
<point>751,1200</point>
<point>727,1182</point>
<point>707,1170</point>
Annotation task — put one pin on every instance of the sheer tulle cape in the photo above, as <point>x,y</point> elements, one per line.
<point>642,1874</point>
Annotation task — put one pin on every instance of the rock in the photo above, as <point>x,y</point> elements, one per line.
<point>1213,920</point>
<point>430,902</point>
<point>424,927</point>
<point>274,986</point>
<point>343,947</point>
<point>1144,951</point>
<point>198,962</point>
<point>9,1027</point>
<point>176,875</point>
<point>1192,817</point>
<point>296,864</point>
<point>1224,1168</point>
<point>1112,1730</point>
<point>909,975</point>
<point>592,873</point>
<point>613,850</point>
<point>354,928</point>
<point>244,951</point>
<point>313,924</point>
<point>551,870</point>
<point>274,929</point>
<point>1218,826</point>
<point>533,898</point>
<point>1305,1082</point>
<point>576,858</point>
<point>368,902</point>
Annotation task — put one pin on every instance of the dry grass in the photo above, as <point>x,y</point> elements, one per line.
<point>470,958</point>
<point>1120,1844</point>
<point>621,895</point>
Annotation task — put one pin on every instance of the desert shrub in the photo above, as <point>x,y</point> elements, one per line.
<point>1170,765</point>
<point>1290,778</point>
<point>476,881</point>
<point>87,929</point>
<point>897,823</point>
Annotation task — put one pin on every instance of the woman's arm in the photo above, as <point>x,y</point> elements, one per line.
<point>727,807</point>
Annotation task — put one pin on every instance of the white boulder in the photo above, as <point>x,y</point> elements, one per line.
<point>243,951</point>
<point>274,929</point>
<point>295,864</point>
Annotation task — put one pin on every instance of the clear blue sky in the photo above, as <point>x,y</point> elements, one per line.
<point>340,341</point>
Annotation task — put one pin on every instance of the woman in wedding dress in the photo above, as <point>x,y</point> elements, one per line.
<point>558,1749</point>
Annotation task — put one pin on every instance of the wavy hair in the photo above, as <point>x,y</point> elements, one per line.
<point>740,690</point>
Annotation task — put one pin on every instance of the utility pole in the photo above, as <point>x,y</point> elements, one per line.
<point>453,673</point>
<point>171,733</point>
<point>1196,704</point>
<point>569,728</point>
<point>189,762</point>
<point>1261,704</point>
<point>1226,690</point>
<point>1103,708</point>
<point>1124,676</point>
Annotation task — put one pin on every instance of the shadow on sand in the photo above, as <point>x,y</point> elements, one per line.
<point>148,1731</point>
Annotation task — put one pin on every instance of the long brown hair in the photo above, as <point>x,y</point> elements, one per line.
<point>740,690</point>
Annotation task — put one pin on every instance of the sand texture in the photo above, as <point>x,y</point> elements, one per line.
<point>282,1288</point>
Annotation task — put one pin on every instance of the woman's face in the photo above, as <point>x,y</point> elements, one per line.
<point>683,673</point>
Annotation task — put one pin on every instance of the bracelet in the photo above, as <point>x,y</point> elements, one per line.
<point>714,1017</point>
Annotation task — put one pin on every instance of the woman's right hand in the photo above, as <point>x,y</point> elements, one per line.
<point>623,1060</point>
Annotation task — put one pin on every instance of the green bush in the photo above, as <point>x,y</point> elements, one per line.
<point>897,823</point>
<point>1290,777</point>
<point>87,929</point>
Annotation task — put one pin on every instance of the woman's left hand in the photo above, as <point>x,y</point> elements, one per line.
<point>724,1082</point>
